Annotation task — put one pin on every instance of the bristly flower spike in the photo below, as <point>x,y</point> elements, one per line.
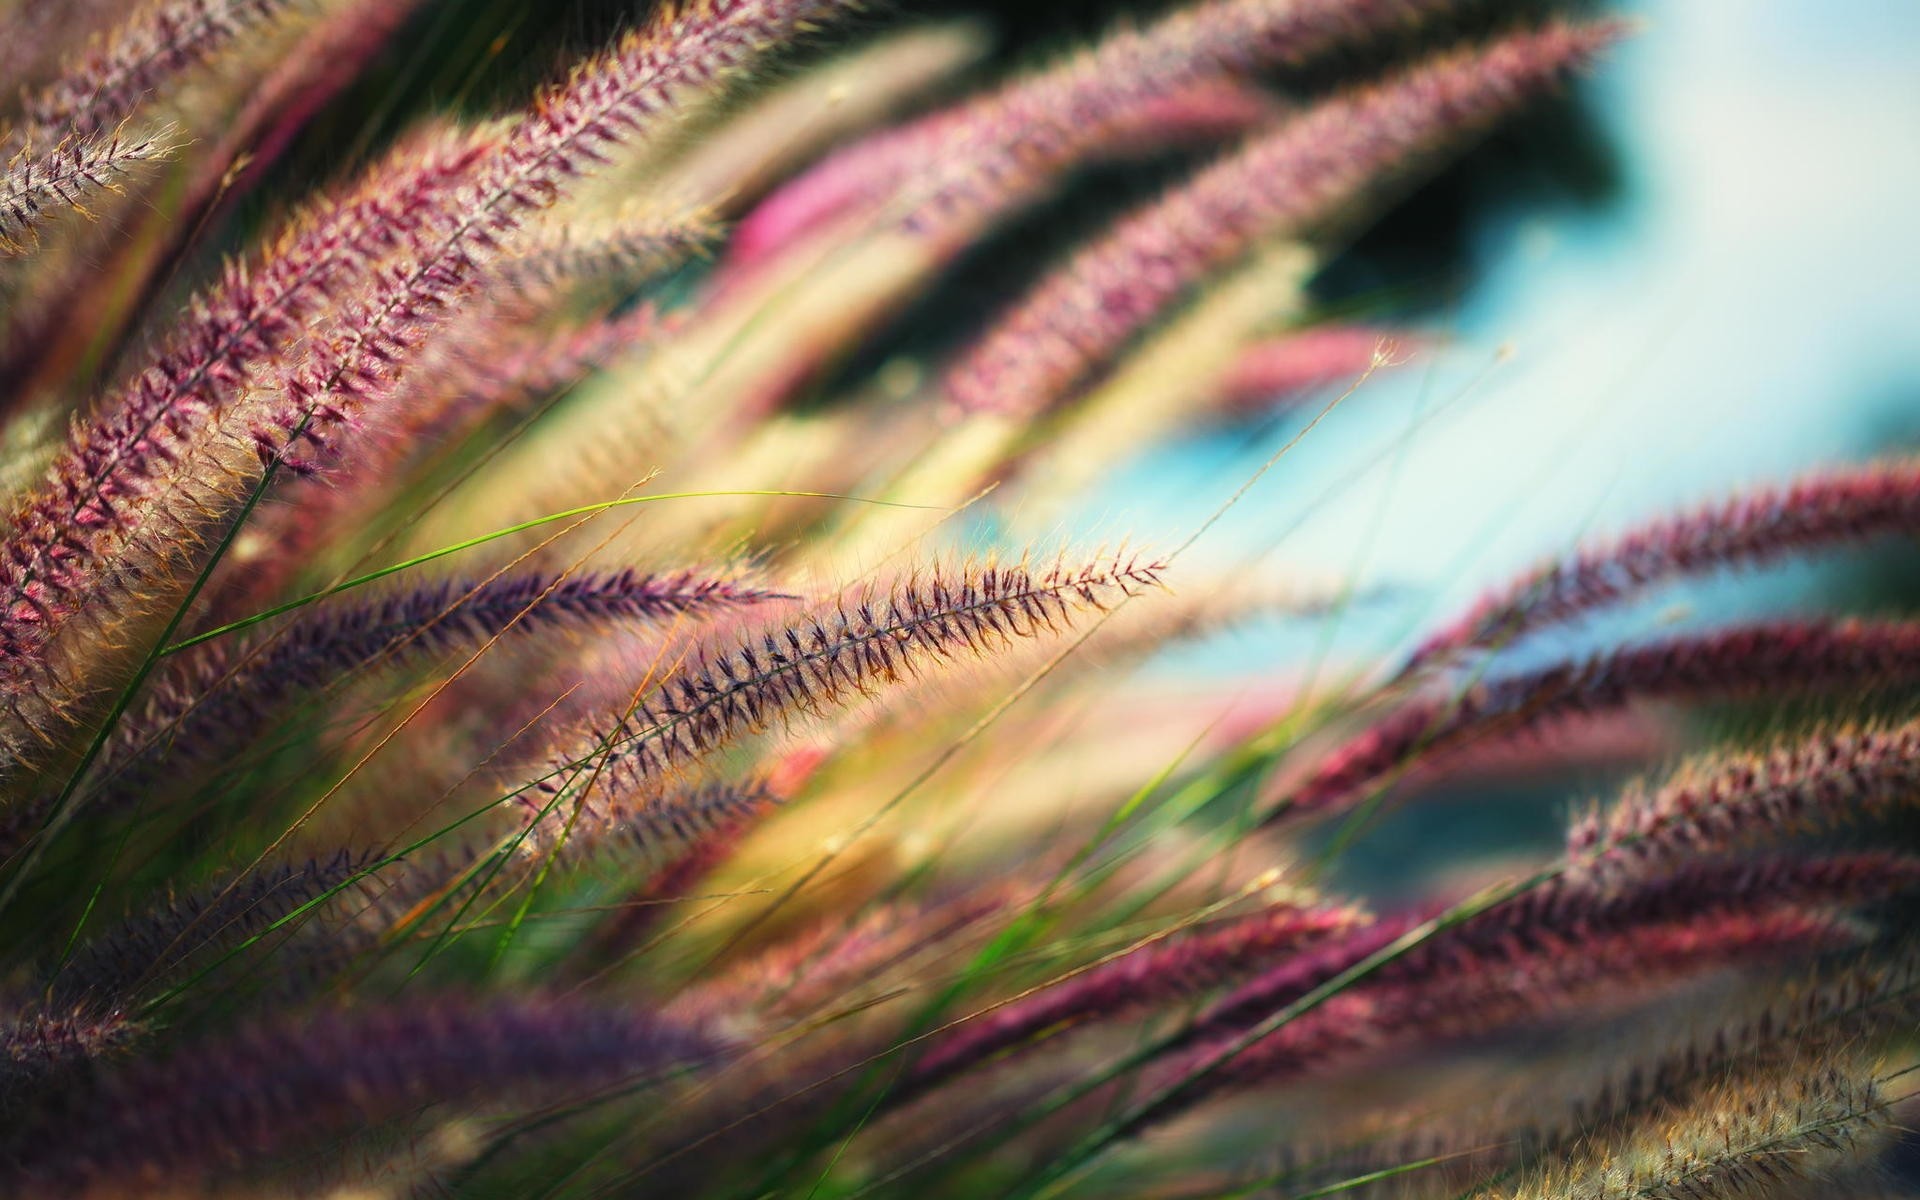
<point>131,62</point>
<point>330,53</point>
<point>1280,184</point>
<point>147,950</point>
<point>47,1052</point>
<point>1013,151</point>
<point>1182,965</point>
<point>38,188</point>
<point>221,700</point>
<point>739,689</point>
<point>248,1095</point>
<point>97,531</point>
<point>1729,802</point>
<point>1748,529</point>
<point>488,365</point>
<point>1773,1134</point>
<point>701,829</point>
<point>661,830</point>
<point>1556,917</point>
<point>1785,657</point>
<point>1486,988</point>
<point>565,134</point>
<point>1159,84</point>
<point>1518,960</point>
<point>1512,964</point>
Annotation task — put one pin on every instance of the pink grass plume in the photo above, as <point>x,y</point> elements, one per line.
<point>1486,990</point>
<point>1549,947</point>
<point>1731,801</point>
<point>223,699</point>
<point>128,498</point>
<point>116,967</point>
<point>80,543</point>
<point>702,831</point>
<point>566,133</point>
<point>1274,374</point>
<point>37,188</point>
<point>123,67</point>
<point>1752,528</point>
<point>1782,657</point>
<point>1308,172</point>
<point>1184,964</point>
<point>1160,85</point>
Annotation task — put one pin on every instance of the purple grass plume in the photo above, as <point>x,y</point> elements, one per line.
<point>441,217</point>
<point>223,699</point>
<point>152,948</point>
<point>269,1088</point>
<point>126,500</point>
<point>1480,990</point>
